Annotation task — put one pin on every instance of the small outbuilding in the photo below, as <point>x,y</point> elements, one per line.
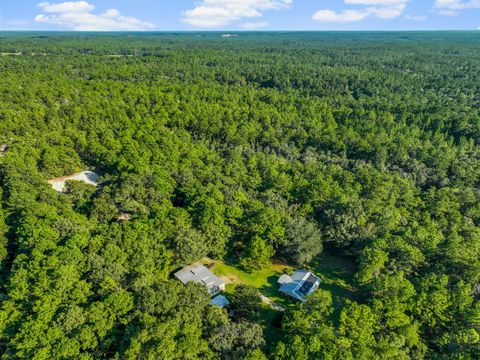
<point>221,301</point>
<point>199,274</point>
<point>300,284</point>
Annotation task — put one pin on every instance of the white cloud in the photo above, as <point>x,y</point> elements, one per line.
<point>344,16</point>
<point>255,25</point>
<point>382,9</point>
<point>67,7</point>
<point>79,16</point>
<point>375,2</point>
<point>416,17</point>
<point>218,13</point>
<point>446,12</point>
<point>387,12</point>
<point>453,7</point>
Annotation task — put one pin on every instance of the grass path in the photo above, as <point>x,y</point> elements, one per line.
<point>269,302</point>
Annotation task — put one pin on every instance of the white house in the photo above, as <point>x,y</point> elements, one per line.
<point>199,274</point>
<point>300,284</point>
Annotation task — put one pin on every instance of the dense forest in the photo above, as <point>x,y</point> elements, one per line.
<point>257,149</point>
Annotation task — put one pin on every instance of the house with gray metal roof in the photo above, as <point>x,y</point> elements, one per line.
<point>199,274</point>
<point>298,285</point>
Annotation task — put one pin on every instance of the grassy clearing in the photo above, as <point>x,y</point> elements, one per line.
<point>335,270</point>
<point>264,280</point>
<point>337,274</point>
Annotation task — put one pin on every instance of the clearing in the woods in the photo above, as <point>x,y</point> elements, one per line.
<point>336,272</point>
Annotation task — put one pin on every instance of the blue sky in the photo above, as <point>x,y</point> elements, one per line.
<point>165,15</point>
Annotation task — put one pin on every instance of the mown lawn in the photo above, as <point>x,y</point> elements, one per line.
<point>264,280</point>
<point>335,270</point>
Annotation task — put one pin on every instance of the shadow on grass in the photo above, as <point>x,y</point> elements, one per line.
<point>271,290</point>
<point>337,274</point>
<point>271,321</point>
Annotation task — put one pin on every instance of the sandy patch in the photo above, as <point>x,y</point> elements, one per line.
<point>88,177</point>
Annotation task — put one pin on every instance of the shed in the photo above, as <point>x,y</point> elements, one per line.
<point>221,301</point>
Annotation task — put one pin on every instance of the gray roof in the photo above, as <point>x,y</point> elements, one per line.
<point>284,279</point>
<point>299,275</point>
<point>199,274</point>
<point>302,283</point>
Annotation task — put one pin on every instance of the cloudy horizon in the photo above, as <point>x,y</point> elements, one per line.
<point>147,15</point>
